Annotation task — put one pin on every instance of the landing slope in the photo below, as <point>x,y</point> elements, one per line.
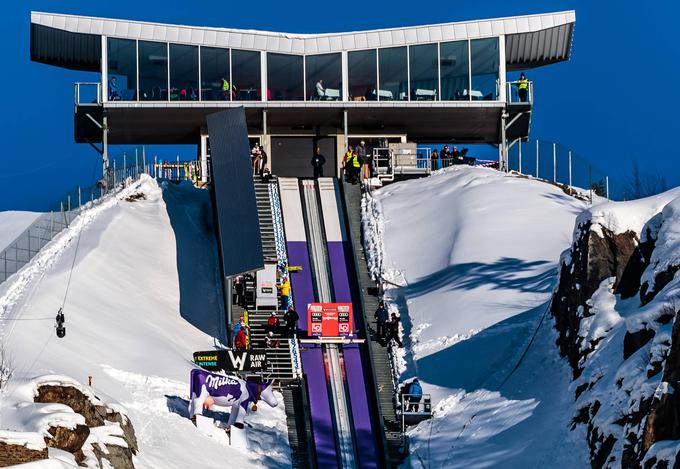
<point>126,326</point>
<point>471,255</point>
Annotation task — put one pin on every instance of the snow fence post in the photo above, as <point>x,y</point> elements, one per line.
<point>536,158</point>
<point>179,178</point>
<point>155,166</point>
<point>80,200</point>
<point>520,156</point>
<point>554,162</point>
<point>569,169</point>
<point>114,174</point>
<point>606,178</point>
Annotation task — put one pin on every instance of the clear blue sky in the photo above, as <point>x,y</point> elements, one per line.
<point>615,101</point>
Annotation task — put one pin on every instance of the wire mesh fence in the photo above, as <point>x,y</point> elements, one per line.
<point>122,170</point>
<point>558,163</point>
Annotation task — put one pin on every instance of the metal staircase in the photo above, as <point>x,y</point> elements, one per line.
<point>264,212</point>
<point>382,368</point>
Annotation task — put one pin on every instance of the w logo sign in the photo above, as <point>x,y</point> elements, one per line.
<point>238,360</point>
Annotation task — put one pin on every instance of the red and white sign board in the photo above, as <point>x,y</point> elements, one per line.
<point>329,319</point>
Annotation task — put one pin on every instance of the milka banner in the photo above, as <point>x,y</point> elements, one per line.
<point>232,360</point>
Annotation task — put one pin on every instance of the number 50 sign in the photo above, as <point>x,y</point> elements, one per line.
<point>329,319</point>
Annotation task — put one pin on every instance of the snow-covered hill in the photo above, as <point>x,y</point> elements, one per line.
<point>471,258</point>
<point>129,324</point>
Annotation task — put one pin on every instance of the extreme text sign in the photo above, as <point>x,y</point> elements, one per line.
<point>329,319</point>
<point>232,360</point>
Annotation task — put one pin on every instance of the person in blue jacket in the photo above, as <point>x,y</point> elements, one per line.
<point>415,392</point>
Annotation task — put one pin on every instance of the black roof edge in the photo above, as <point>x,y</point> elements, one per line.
<point>65,49</point>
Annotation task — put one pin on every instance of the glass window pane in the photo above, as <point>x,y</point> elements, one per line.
<point>245,75</point>
<point>122,64</point>
<point>393,74</point>
<point>324,77</point>
<point>454,62</point>
<point>153,71</point>
<point>485,66</point>
<point>424,75</point>
<point>183,72</point>
<point>362,74</point>
<point>284,78</point>
<point>215,83</point>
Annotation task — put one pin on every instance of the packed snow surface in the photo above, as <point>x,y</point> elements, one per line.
<point>470,257</point>
<point>130,326</point>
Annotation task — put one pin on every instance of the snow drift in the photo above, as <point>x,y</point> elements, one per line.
<point>470,257</point>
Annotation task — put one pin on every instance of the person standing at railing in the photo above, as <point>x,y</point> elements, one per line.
<point>415,392</point>
<point>361,154</point>
<point>445,156</point>
<point>263,160</point>
<point>522,88</point>
<point>434,163</point>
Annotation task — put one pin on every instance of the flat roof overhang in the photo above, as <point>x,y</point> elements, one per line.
<point>73,41</point>
<point>165,123</point>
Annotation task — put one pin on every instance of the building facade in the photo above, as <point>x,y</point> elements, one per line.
<point>436,83</point>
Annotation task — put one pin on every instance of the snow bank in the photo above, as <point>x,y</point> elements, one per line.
<point>126,328</point>
<point>619,217</point>
<point>470,259</point>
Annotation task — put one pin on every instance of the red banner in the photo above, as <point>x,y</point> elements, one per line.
<point>329,319</point>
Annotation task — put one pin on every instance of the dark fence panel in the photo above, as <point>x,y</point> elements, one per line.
<point>234,193</point>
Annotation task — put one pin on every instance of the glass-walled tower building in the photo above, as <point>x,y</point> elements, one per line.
<point>434,83</point>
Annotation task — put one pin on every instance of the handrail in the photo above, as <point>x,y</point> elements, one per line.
<point>87,84</point>
<point>513,96</point>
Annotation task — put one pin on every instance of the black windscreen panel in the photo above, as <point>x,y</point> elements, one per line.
<point>234,193</point>
<point>76,51</point>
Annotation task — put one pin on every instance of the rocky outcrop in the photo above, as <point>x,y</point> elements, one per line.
<point>643,380</point>
<point>11,454</point>
<point>71,440</point>
<point>97,416</point>
<point>592,259</point>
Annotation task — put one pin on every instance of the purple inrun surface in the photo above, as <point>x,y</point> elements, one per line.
<point>312,360</point>
<point>358,393</point>
<point>361,413</point>
<point>301,281</point>
<point>319,404</point>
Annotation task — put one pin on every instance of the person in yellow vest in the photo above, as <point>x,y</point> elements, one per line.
<point>284,288</point>
<point>356,163</point>
<point>522,88</point>
<point>346,163</point>
<point>225,89</point>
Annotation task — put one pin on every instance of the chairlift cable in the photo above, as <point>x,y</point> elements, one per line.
<point>70,274</point>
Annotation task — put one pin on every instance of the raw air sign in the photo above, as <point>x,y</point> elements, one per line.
<point>232,360</point>
<point>329,319</point>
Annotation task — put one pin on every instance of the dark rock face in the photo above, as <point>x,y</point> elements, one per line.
<point>120,457</point>
<point>662,279</point>
<point>597,255</point>
<point>17,454</point>
<point>663,422</point>
<point>76,400</point>
<point>634,341</point>
<point>67,439</point>
<point>594,259</point>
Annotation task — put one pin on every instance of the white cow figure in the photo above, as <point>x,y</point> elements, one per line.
<point>208,389</point>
